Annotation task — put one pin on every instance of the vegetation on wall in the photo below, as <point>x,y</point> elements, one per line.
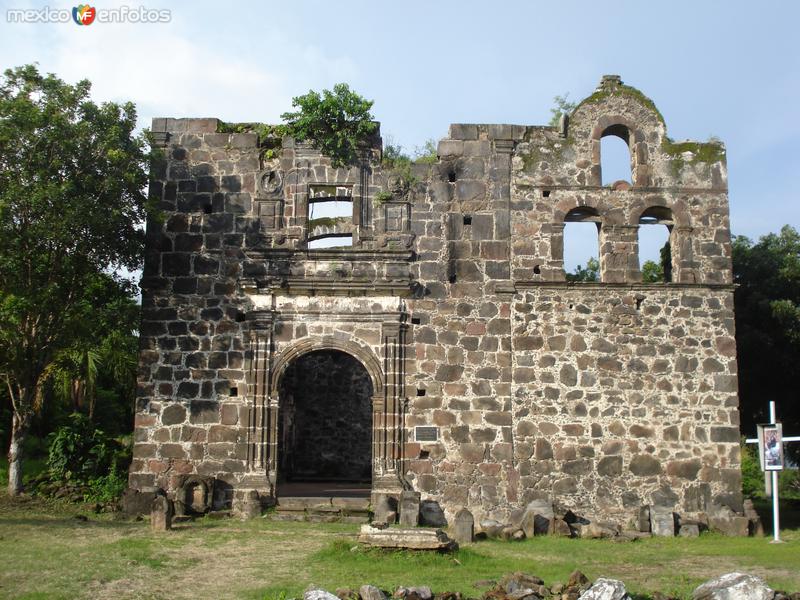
<point>427,154</point>
<point>381,197</point>
<point>270,137</point>
<point>702,153</point>
<point>400,164</point>
<point>561,107</point>
<point>626,90</point>
<point>336,122</point>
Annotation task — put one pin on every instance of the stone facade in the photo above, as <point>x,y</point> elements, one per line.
<point>602,397</point>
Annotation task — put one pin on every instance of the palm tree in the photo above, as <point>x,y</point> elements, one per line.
<point>74,375</point>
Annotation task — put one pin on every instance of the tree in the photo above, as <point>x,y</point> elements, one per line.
<point>72,175</point>
<point>661,271</point>
<point>336,122</point>
<point>561,106</point>
<point>427,154</point>
<point>652,272</point>
<point>767,304</point>
<point>105,356</point>
<point>591,272</point>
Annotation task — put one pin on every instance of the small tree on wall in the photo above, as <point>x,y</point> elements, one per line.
<point>335,122</point>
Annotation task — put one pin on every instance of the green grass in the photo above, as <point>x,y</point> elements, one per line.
<point>674,566</point>
<point>48,553</point>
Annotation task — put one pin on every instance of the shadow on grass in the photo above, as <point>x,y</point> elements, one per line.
<point>67,523</point>
<point>789,513</point>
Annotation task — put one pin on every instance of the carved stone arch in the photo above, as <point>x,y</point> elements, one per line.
<point>571,210</point>
<point>614,124</point>
<point>678,210</point>
<point>633,135</point>
<point>385,373</point>
<point>311,344</point>
<point>567,205</point>
<point>675,216</point>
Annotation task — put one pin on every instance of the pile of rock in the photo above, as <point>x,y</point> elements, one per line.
<point>522,586</point>
<point>512,586</point>
<point>541,517</point>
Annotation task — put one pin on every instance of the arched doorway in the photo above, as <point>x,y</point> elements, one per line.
<point>325,426</point>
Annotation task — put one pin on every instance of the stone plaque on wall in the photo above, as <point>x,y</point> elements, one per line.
<point>269,213</point>
<point>426,434</point>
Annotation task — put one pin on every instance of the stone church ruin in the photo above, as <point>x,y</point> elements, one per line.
<point>439,347</point>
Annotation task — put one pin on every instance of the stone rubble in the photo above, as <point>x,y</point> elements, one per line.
<point>606,589</point>
<point>734,586</point>
<point>525,586</point>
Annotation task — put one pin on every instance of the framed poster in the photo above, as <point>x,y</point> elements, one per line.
<point>770,446</point>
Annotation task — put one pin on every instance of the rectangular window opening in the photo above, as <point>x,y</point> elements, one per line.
<point>330,209</point>
<point>333,242</point>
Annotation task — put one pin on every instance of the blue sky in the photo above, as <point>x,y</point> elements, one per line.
<point>728,69</point>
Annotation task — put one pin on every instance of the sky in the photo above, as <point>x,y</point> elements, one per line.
<point>728,69</point>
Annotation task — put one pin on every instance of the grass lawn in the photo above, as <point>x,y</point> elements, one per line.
<point>48,553</point>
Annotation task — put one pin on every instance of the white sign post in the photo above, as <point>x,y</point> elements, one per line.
<point>770,442</point>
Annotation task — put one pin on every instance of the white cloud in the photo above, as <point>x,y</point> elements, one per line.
<point>167,72</point>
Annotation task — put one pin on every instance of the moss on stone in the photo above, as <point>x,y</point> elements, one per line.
<point>530,158</point>
<point>625,90</point>
<point>556,147</point>
<point>702,152</point>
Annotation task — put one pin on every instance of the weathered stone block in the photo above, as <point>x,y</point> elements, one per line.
<point>161,513</point>
<point>409,508</point>
<point>644,465</point>
<point>173,414</point>
<point>662,522</point>
<point>463,528</point>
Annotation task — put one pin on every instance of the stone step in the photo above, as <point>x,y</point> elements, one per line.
<point>319,517</point>
<point>289,516</point>
<point>322,509</point>
<point>299,503</point>
<point>351,504</point>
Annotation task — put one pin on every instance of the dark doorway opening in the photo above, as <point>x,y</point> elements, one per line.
<point>325,426</point>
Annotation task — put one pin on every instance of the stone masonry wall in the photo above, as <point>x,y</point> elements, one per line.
<point>602,397</point>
